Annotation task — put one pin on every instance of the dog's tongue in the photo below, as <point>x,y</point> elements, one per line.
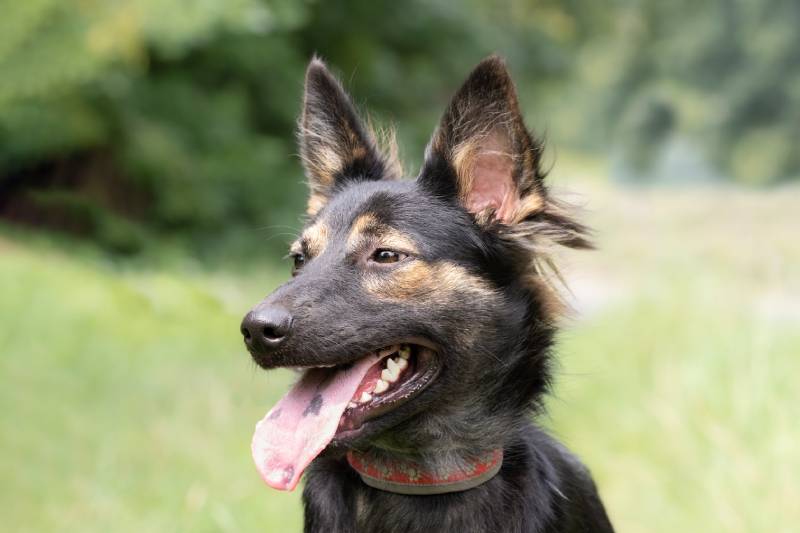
<point>303,422</point>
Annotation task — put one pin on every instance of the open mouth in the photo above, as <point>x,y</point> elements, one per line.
<point>401,372</point>
<point>336,403</point>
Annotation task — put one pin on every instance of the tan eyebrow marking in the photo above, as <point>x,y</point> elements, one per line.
<point>420,280</point>
<point>315,238</point>
<point>360,227</point>
<point>368,225</point>
<point>397,240</point>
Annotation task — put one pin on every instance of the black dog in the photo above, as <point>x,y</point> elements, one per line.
<point>423,319</point>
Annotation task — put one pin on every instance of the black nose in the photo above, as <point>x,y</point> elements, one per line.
<point>266,327</point>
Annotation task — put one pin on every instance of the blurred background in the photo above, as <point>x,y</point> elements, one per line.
<point>149,185</point>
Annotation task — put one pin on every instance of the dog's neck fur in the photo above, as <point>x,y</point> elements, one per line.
<point>444,447</point>
<point>452,435</point>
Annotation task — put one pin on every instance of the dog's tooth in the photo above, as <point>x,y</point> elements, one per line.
<point>388,375</point>
<point>402,364</point>
<point>380,386</point>
<point>365,397</point>
<point>351,405</point>
<point>392,365</point>
<point>405,351</point>
<point>388,350</point>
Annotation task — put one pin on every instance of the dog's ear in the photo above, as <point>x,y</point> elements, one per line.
<point>335,145</point>
<point>482,153</point>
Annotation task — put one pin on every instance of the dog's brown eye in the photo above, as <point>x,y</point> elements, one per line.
<point>299,260</point>
<point>386,256</point>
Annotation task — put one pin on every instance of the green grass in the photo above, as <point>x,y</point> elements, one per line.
<point>687,416</point>
<point>128,402</point>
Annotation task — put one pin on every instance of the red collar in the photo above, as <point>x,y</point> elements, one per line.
<point>405,476</point>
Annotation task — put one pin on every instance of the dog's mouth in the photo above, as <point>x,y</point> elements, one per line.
<point>401,373</point>
<point>336,403</point>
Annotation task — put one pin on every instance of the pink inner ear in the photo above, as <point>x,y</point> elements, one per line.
<point>492,183</point>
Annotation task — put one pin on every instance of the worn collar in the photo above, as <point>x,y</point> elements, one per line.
<point>405,476</point>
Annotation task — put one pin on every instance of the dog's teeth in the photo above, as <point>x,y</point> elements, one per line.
<point>381,386</point>
<point>388,375</point>
<point>392,365</point>
<point>365,397</point>
<point>388,350</point>
<point>405,352</point>
<point>402,364</point>
<point>351,405</point>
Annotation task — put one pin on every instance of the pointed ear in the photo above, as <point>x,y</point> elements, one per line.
<point>482,153</point>
<point>335,145</point>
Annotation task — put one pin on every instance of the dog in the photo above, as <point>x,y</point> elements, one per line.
<point>421,315</point>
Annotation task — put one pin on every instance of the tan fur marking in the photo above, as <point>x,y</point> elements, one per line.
<point>387,141</point>
<point>316,238</point>
<point>367,226</point>
<point>327,162</point>
<point>463,161</point>
<point>423,280</point>
<point>396,240</point>
<point>359,152</point>
<point>361,227</point>
<point>315,204</point>
<point>553,304</point>
<point>324,163</point>
<point>528,205</point>
<point>486,170</point>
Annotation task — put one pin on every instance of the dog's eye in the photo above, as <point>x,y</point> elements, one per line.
<point>299,260</point>
<point>383,255</point>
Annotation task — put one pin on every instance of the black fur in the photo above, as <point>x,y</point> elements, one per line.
<point>493,333</point>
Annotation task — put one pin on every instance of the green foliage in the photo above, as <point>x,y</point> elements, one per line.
<point>172,91</point>
<point>190,106</point>
<point>726,73</point>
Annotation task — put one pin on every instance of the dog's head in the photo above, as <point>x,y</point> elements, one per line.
<point>419,309</point>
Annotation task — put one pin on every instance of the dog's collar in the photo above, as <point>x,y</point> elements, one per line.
<point>405,476</point>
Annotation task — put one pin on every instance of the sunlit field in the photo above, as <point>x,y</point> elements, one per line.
<point>128,400</point>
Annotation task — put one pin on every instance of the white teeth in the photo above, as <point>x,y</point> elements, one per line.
<point>393,366</point>
<point>388,375</point>
<point>405,352</point>
<point>380,386</point>
<point>351,405</point>
<point>365,397</point>
<point>402,364</point>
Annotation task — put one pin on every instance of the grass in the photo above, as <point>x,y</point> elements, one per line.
<point>128,402</point>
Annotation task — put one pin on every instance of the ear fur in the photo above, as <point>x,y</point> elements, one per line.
<point>335,145</point>
<point>484,157</point>
<point>492,158</point>
<point>483,154</point>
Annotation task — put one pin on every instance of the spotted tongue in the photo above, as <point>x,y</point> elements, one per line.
<point>303,422</point>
